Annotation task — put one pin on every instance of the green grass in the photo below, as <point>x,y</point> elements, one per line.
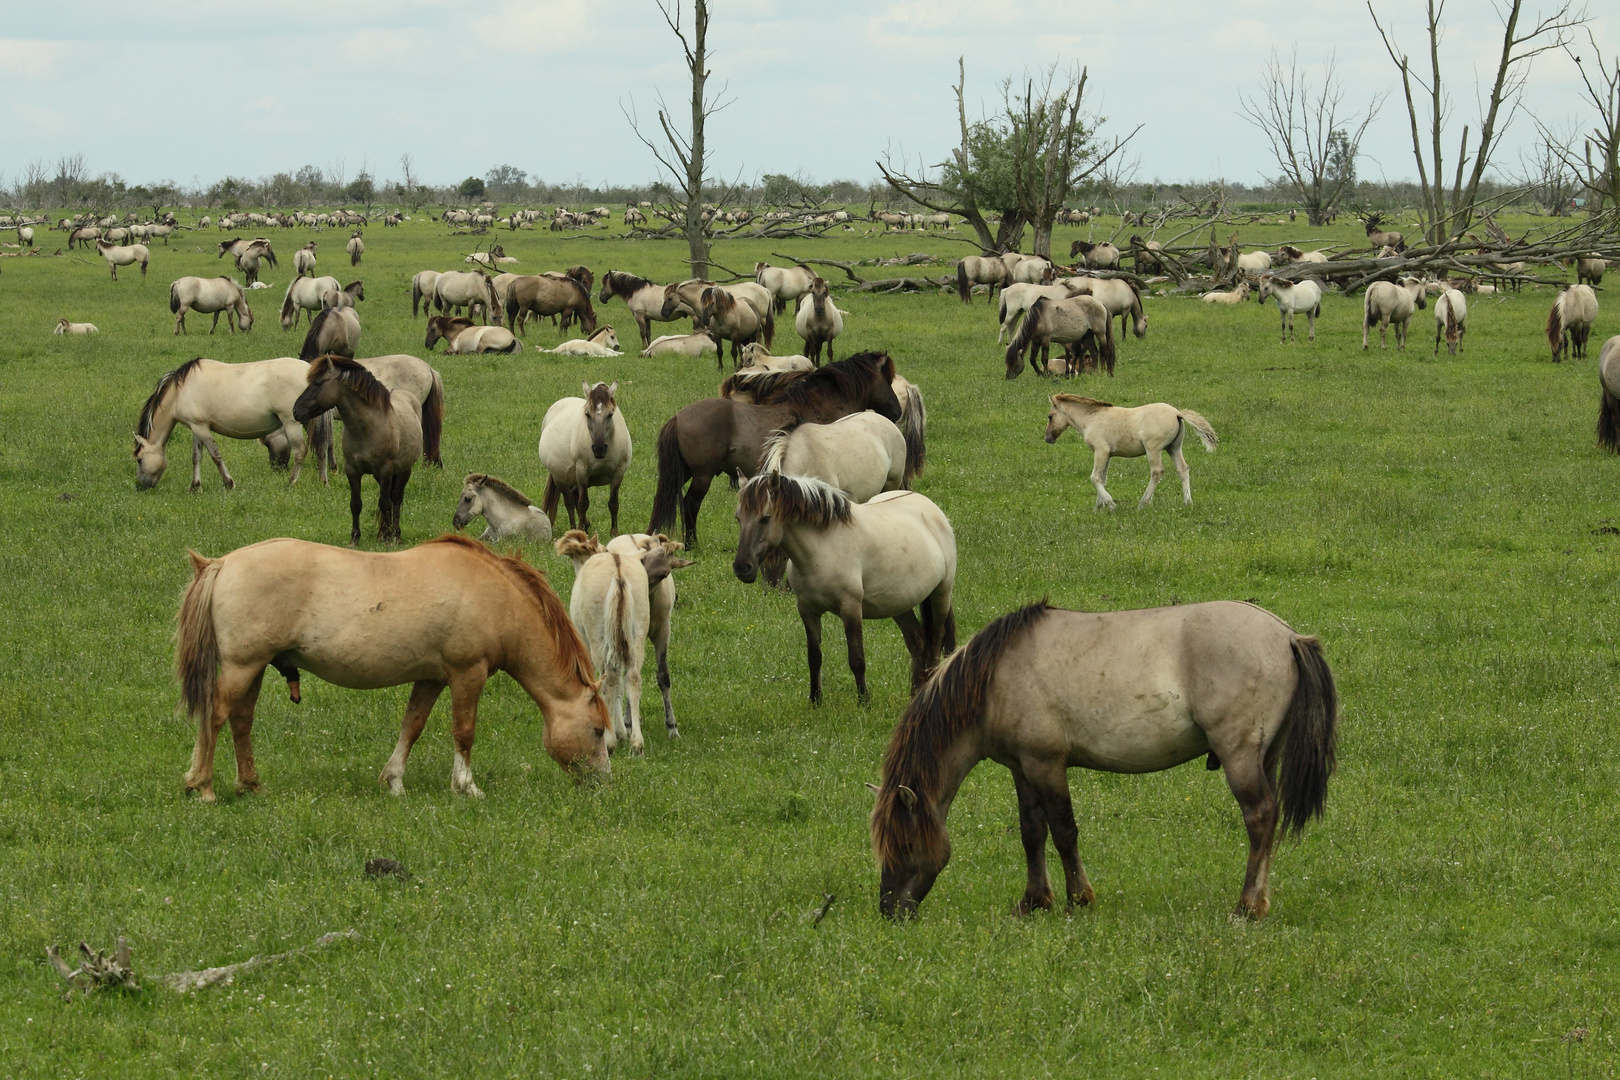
<point>1438,523</point>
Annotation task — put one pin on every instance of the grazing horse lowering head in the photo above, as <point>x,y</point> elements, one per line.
<point>600,406</point>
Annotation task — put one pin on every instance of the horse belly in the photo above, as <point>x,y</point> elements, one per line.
<point>899,570</point>
<point>1138,729</point>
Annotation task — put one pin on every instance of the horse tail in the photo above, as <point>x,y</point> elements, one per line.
<point>1608,428</point>
<point>1206,434</point>
<point>1109,352</point>
<point>174,298</point>
<point>671,478</point>
<point>515,347</point>
<point>312,340</point>
<point>1023,339</point>
<point>287,308</point>
<point>770,328</point>
<point>318,430</point>
<point>511,308</point>
<point>433,421</point>
<point>416,295</point>
<point>1555,327</point>
<point>196,653</point>
<point>615,622</point>
<point>549,501</point>
<point>914,426</point>
<point>1312,725</point>
<point>964,287</point>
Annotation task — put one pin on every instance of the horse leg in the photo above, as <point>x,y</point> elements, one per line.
<point>1185,473</point>
<point>645,326</point>
<point>1032,828</point>
<point>465,688</point>
<point>241,717</point>
<point>691,503</point>
<point>196,463</point>
<point>206,437</point>
<point>234,680</point>
<point>812,648</point>
<point>1099,478</point>
<point>582,498</point>
<point>211,329</point>
<point>1051,783</point>
<point>570,503</point>
<point>632,691</point>
<point>916,640</point>
<point>400,480</point>
<point>180,322</point>
<point>661,648</point>
<point>423,696</point>
<point>354,507</point>
<point>613,507</point>
<point>1155,474</point>
<point>1246,776</point>
<point>385,503</point>
<point>297,446</point>
<point>855,640</point>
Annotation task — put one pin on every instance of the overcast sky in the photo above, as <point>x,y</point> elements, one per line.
<point>191,91</point>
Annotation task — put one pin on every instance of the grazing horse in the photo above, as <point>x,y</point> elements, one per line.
<point>117,256</point>
<point>347,296</point>
<point>382,434</point>
<point>644,299</point>
<point>876,560</point>
<point>509,513</point>
<point>721,435</point>
<point>1080,323</point>
<point>305,294</point>
<point>449,612</point>
<point>356,247</point>
<point>210,295</point>
<point>818,321</point>
<point>334,331</point>
<point>1450,321</point>
<point>1103,256</point>
<point>548,294</point>
<point>862,454</point>
<point>617,597</point>
<point>1016,301</point>
<point>83,236</point>
<point>1032,270</point>
<point>1292,298</point>
<point>304,260</point>
<point>980,270</point>
<point>247,254</point>
<point>1148,255</point>
<point>240,401</point>
<point>462,336</point>
<point>1387,302</point>
<point>1588,268</point>
<point>1608,428</point>
<point>455,290</point>
<point>1111,431</point>
<point>728,318</point>
<point>1118,296</point>
<point>1569,323</point>
<point>784,283</point>
<point>422,290</point>
<point>584,443</point>
<point>1043,690</point>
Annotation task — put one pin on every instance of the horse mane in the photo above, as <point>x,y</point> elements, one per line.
<point>312,337</point>
<point>354,286</point>
<point>795,500</point>
<point>601,331</point>
<point>1555,323</point>
<point>169,380</point>
<point>496,484</point>
<point>771,451</point>
<point>625,284</point>
<point>846,378</point>
<point>352,374</point>
<point>764,385</point>
<point>950,703</point>
<point>1076,399</point>
<point>568,649</point>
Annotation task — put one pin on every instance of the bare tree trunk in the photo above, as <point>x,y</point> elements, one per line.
<point>697,246</point>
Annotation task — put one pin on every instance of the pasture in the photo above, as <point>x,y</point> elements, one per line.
<point>1448,527</point>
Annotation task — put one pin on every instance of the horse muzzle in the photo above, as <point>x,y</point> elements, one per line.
<point>599,450</point>
<point>746,571</point>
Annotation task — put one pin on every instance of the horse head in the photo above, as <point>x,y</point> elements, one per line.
<point>600,408</point>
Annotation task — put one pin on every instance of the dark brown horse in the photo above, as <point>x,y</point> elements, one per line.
<point>550,294</point>
<point>722,435</point>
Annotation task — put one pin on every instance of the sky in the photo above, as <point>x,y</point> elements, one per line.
<point>192,91</point>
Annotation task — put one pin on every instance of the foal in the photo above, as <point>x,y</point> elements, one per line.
<point>1148,429</point>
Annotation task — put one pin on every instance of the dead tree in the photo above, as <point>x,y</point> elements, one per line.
<point>1448,213</point>
<point>1313,144</point>
<point>1597,163</point>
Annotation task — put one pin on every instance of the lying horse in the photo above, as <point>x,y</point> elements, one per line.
<point>509,513</point>
<point>1042,690</point>
<point>463,336</point>
<point>448,613</point>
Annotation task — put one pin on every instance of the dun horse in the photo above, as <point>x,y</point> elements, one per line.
<point>1389,302</point>
<point>784,283</point>
<point>1450,321</point>
<point>1608,429</point>
<point>463,336</point>
<point>1043,690</point>
<point>549,294</point>
<point>210,295</point>
<point>1569,324</point>
<point>117,256</point>
<point>644,299</point>
<point>818,321</point>
<point>1080,323</point>
<point>584,443</point>
<point>334,331</point>
<point>980,270</point>
<point>305,294</point>
<point>1293,298</point>
<point>1111,431</point>
<point>727,318</point>
<point>382,435</point>
<point>509,513</point>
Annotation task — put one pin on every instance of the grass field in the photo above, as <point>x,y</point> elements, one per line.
<point>1446,526</point>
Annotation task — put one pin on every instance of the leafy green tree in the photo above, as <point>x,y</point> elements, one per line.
<point>471,188</point>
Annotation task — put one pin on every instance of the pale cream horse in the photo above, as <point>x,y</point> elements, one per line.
<point>1608,428</point>
<point>862,454</point>
<point>509,513</point>
<point>1387,302</point>
<point>1293,298</point>
<point>1569,324</point>
<point>210,295</point>
<point>1450,320</point>
<point>1112,431</point>
<point>65,326</point>
<point>118,255</point>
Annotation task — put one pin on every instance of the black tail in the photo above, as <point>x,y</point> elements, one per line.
<point>312,347</point>
<point>1109,351</point>
<point>1312,723</point>
<point>433,422</point>
<point>964,288</point>
<point>549,502</point>
<point>174,300</point>
<point>1024,338</point>
<point>671,478</point>
<point>1608,431</point>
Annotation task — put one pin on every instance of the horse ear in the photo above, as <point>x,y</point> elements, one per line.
<point>614,389</point>
<point>585,386</point>
<point>907,796</point>
<point>874,789</point>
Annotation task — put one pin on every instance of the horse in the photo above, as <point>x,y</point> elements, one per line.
<point>729,318</point>
<point>1112,431</point>
<point>684,345</point>
<point>117,256</point>
<point>399,371</point>
<point>686,298</point>
<point>1588,269</point>
<point>1251,263</point>
<point>248,254</point>
<point>305,294</point>
<point>1238,295</point>
<point>83,236</point>
<point>602,343</point>
<point>449,612</point>
<point>25,237</point>
<point>612,604</point>
<point>1292,298</point>
<point>1042,690</point>
<point>549,294</point>
<point>334,331</point>
<point>345,297</point>
<point>980,270</point>
<point>721,435</point>
<point>1569,324</point>
<point>1080,323</point>
<point>1294,255</point>
<point>876,560</point>
<point>239,401</point>
<point>509,513</point>
<point>644,299</point>
<point>1450,321</point>
<point>862,454</point>
<point>304,260</point>
<point>756,359</point>
<point>1017,298</point>
<point>584,443</point>
<point>1032,270</point>
<point>1103,256</point>
<point>784,283</point>
<point>205,295</point>
<point>66,326</point>
<point>422,290</point>
<point>454,290</point>
<point>818,321</point>
<point>1118,296</point>
<point>1387,302</point>
<point>1148,255</point>
<point>462,336</point>
<point>1608,427</point>
<point>356,247</point>
<point>382,434</point>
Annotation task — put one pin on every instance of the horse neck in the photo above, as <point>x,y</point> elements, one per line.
<point>163,416</point>
<point>501,512</point>
<point>363,417</point>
